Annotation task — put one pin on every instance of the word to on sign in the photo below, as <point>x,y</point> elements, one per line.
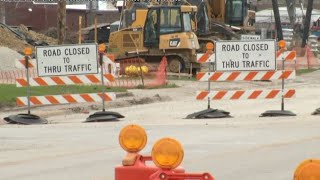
<point>245,55</point>
<point>67,60</point>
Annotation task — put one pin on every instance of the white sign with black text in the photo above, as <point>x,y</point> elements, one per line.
<point>67,60</point>
<point>245,55</point>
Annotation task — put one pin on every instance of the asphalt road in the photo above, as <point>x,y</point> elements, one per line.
<point>244,147</point>
<point>229,149</point>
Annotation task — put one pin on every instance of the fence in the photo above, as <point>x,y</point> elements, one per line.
<point>153,76</point>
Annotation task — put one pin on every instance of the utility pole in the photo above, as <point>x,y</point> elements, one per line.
<point>291,11</point>
<point>2,12</point>
<point>277,19</point>
<point>306,24</point>
<point>61,21</point>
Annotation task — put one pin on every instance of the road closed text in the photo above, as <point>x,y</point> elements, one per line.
<point>68,68</point>
<point>245,56</point>
<point>245,47</point>
<point>67,60</point>
<point>246,64</point>
<point>66,52</point>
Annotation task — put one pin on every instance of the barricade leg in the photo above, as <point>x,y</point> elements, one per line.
<point>282,112</point>
<point>103,115</point>
<point>316,112</point>
<point>209,112</point>
<point>26,118</point>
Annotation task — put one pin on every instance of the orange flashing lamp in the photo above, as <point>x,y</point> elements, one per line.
<point>282,44</point>
<point>101,48</point>
<point>167,153</point>
<point>27,51</point>
<point>133,138</point>
<point>209,46</point>
<point>308,170</point>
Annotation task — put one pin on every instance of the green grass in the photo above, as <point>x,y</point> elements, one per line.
<point>305,71</point>
<point>182,78</point>
<point>171,85</point>
<point>8,93</point>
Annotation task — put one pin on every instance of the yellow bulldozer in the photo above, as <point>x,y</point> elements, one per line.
<point>180,28</point>
<point>154,31</point>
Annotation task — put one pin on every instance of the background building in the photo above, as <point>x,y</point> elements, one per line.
<point>40,16</point>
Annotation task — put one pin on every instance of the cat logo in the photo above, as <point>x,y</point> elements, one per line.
<point>174,42</point>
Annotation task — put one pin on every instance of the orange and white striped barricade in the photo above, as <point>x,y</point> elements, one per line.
<point>77,66</point>
<point>65,80</point>
<point>241,61</point>
<point>111,66</point>
<point>207,57</point>
<point>246,75</point>
<point>21,63</point>
<point>286,56</point>
<point>65,99</point>
<point>245,94</point>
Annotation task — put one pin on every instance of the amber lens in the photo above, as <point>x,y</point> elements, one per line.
<point>102,48</point>
<point>209,46</point>
<point>282,44</point>
<point>27,51</point>
<point>133,138</point>
<point>167,153</point>
<point>308,170</point>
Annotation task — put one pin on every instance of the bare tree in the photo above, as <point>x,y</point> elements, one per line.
<point>61,21</point>
<point>2,12</point>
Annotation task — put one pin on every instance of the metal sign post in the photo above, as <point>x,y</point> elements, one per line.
<point>282,112</point>
<point>141,73</point>
<point>26,118</point>
<point>209,112</point>
<point>104,115</point>
<point>282,89</point>
<point>28,81</point>
<point>209,83</point>
<point>102,81</point>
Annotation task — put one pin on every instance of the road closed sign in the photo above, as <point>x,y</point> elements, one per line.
<point>245,55</point>
<point>67,60</point>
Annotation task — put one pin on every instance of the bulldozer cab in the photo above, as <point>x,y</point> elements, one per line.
<point>164,20</point>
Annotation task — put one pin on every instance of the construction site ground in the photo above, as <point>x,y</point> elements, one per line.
<point>246,146</point>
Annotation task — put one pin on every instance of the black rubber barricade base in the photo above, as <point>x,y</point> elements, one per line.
<point>209,114</point>
<point>104,116</point>
<point>26,119</point>
<point>277,113</point>
<point>316,112</point>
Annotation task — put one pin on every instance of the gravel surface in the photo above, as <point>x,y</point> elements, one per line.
<point>7,58</point>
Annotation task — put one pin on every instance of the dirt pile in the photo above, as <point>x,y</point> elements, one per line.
<point>8,39</point>
<point>24,38</point>
<point>37,36</point>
